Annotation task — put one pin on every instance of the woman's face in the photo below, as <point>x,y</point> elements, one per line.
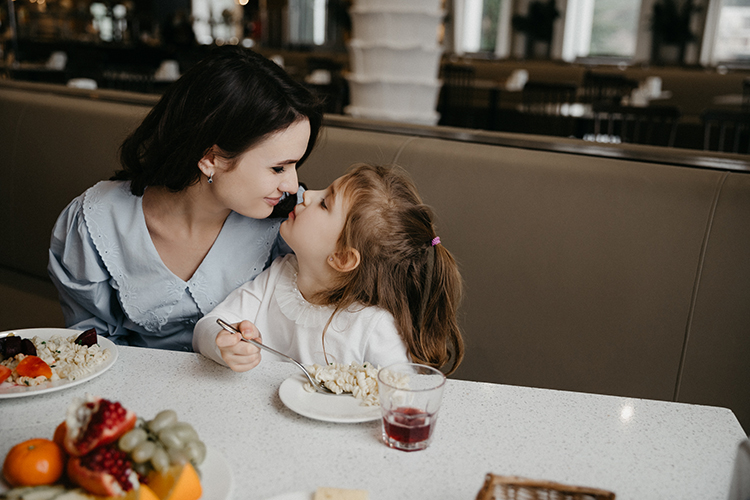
<point>263,173</point>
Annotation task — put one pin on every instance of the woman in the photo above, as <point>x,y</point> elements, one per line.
<point>195,210</point>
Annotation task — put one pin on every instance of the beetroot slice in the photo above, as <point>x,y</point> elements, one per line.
<point>28,348</point>
<point>87,338</point>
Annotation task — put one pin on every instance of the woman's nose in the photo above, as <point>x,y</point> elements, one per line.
<point>290,183</point>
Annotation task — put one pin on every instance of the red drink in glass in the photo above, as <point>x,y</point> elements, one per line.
<point>407,428</point>
<point>410,396</point>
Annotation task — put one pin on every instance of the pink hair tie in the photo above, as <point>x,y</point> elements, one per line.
<point>435,240</point>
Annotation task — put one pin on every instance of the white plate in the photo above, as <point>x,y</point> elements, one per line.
<point>8,390</point>
<point>216,476</point>
<point>329,408</point>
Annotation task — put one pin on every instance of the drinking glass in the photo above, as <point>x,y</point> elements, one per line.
<point>410,396</point>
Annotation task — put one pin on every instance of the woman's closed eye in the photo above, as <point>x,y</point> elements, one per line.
<point>278,170</point>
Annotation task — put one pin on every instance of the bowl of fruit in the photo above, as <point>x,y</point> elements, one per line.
<point>102,449</point>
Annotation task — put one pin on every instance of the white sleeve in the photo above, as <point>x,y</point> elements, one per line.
<point>242,304</point>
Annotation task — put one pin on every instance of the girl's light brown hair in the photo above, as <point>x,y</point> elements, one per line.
<point>400,270</point>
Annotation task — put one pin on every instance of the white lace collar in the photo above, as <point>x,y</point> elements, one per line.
<point>291,302</point>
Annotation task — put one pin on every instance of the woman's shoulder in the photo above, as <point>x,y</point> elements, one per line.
<point>115,193</point>
<point>96,200</point>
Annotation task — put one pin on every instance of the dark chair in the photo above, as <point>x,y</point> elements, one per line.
<point>732,130</point>
<point>547,98</point>
<point>605,87</point>
<point>545,108</point>
<point>456,95</point>
<point>654,125</point>
<point>746,94</point>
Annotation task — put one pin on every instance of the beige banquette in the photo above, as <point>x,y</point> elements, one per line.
<point>621,270</point>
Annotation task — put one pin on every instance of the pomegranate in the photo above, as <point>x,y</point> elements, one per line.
<point>105,471</point>
<point>93,422</point>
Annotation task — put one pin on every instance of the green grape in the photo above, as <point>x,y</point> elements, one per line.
<point>196,451</point>
<point>131,439</point>
<point>162,419</point>
<point>185,431</point>
<point>142,469</point>
<point>177,456</point>
<point>160,459</point>
<point>143,451</point>
<point>170,438</point>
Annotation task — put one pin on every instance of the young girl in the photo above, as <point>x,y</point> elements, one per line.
<point>369,282</point>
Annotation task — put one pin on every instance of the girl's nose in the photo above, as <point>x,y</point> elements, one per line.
<point>290,183</point>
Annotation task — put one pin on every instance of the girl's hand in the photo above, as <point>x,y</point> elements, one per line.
<point>239,356</point>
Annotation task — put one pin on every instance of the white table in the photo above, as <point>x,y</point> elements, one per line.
<point>639,449</point>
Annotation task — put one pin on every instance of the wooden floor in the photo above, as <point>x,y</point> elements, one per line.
<point>27,302</point>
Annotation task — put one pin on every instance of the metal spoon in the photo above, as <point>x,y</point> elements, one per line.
<point>316,385</point>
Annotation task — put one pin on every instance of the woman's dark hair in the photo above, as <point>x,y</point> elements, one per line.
<point>234,98</point>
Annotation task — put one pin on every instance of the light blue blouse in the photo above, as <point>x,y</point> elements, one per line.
<point>110,276</point>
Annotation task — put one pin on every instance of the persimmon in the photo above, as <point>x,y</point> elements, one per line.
<point>4,373</point>
<point>34,462</point>
<point>143,492</point>
<point>179,482</point>
<point>33,366</point>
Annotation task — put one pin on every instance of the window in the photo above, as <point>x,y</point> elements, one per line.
<point>307,22</point>
<point>216,20</point>
<point>601,28</point>
<point>732,41</point>
<point>482,26</point>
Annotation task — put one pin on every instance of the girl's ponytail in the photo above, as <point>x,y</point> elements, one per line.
<point>437,337</point>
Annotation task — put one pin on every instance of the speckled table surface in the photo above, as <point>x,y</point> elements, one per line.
<point>640,449</point>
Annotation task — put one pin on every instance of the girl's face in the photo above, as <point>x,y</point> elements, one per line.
<point>263,173</point>
<point>314,227</point>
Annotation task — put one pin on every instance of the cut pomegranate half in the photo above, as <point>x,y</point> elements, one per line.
<point>105,471</point>
<point>93,422</point>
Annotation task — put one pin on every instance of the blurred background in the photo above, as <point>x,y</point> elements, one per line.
<point>493,59</point>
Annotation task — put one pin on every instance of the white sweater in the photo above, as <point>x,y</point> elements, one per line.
<point>293,326</point>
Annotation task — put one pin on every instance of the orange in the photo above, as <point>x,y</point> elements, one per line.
<point>59,436</point>
<point>33,463</point>
<point>179,482</point>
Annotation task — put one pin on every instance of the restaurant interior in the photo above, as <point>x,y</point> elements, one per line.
<point>600,151</point>
<point>679,81</point>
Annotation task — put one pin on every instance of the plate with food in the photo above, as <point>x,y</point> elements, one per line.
<point>357,403</point>
<point>39,360</point>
